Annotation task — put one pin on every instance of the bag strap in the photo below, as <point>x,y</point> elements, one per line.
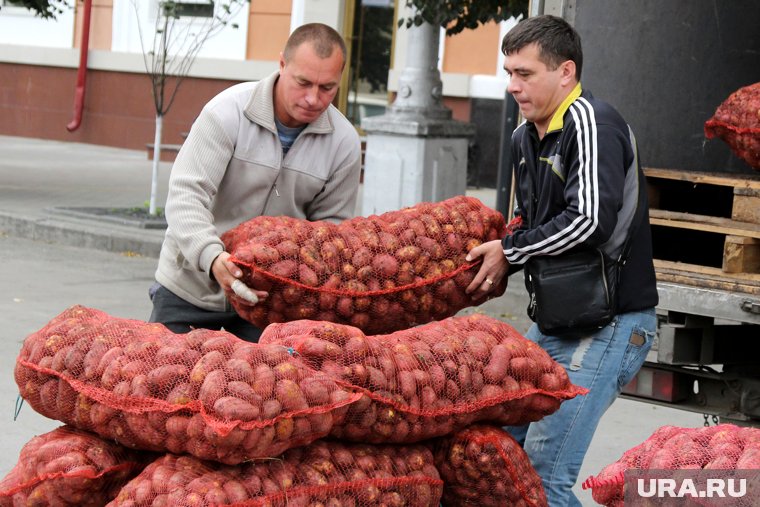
<point>640,202</point>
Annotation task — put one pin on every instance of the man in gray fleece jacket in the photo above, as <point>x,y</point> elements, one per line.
<point>275,147</point>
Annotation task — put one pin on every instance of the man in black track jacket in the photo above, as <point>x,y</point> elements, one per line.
<point>578,187</point>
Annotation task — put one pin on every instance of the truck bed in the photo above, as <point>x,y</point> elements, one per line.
<point>706,229</point>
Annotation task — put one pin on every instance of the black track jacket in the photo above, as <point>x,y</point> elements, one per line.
<point>578,187</point>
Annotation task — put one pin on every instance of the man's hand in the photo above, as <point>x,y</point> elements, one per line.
<point>492,270</point>
<point>226,273</point>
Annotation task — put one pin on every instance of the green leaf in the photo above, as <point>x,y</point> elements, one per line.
<point>45,9</point>
<point>458,15</point>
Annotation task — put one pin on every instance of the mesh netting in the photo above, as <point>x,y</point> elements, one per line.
<point>430,380</point>
<point>380,273</point>
<point>204,393</point>
<point>720,447</point>
<point>68,466</point>
<point>328,474</point>
<point>737,122</point>
<point>484,465</point>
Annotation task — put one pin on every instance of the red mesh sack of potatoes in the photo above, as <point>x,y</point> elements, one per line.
<point>737,122</point>
<point>483,465</point>
<point>380,273</point>
<point>68,466</point>
<point>205,393</point>
<point>720,447</point>
<point>321,474</point>
<point>430,380</point>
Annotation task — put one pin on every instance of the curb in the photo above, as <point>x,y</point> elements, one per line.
<point>103,214</point>
<point>84,234</point>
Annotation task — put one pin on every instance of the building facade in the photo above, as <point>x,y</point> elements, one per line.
<point>40,59</point>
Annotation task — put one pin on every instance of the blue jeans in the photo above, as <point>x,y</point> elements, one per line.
<point>604,363</point>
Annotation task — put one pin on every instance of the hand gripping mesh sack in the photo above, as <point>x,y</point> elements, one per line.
<point>380,273</point>
<point>483,465</point>
<point>205,393</point>
<point>430,380</point>
<point>720,447</point>
<point>70,467</point>
<point>328,474</point>
<point>737,122</point>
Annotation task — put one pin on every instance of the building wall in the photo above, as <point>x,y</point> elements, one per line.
<point>269,27</point>
<point>101,21</point>
<point>18,26</point>
<point>37,87</point>
<point>472,51</point>
<point>134,25</point>
<point>118,106</point>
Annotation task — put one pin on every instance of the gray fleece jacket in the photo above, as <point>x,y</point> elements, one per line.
<point>231,168</point>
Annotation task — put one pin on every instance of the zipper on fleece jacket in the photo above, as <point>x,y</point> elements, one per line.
<point>274,184</point>
<point>274,190</point>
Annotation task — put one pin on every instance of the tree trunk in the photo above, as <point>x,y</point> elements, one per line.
<point>156,161</point>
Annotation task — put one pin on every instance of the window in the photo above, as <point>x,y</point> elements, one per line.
<point>15,7</point>
<point>189,9</point>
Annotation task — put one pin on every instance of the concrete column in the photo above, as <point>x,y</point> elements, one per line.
<point>415,152</point>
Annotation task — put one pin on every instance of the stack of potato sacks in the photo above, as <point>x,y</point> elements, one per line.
<point>379,398</point>
<point>700,455</point>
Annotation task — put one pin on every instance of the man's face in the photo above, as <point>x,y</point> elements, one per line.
<point>307,85</point>
<point>538,90</point>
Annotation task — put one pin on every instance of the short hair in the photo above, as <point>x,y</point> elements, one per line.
<point>557,41</point>
<point>322,38</point>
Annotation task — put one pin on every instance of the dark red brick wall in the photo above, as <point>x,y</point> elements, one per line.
<point>38,101</point>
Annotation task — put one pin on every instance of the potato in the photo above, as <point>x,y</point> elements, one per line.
<point>92,358</point>
<point>176,354</point>
<point>264,254</point>
<point>549,382</point>
<point>522,368</point>
<point>345,307</point>
<point>239,369</point>
<point>235,409</point>
<point>166,376</point>
<point>287,370</point>
<point>209,362</point>
<point>314,347</point>
<point>362,257</point>
<point>289,394</point>
<point>385,266</point>
<point>284,269</point>
<point>430,247</point>
<point>749,459</point>
<point>363,274</point>
<point>360,320</point>
<point>408,253</point>
<point>182,394</point>
<point>212,388</point>
<point>287,249</point>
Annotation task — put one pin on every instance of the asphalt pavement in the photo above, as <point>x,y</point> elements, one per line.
<point>52,260</point>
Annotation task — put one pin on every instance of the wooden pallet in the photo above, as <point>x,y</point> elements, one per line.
<point>706,228</point>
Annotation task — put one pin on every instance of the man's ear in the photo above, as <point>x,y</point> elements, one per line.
<point>567,69</point>
<point>282,61</point>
